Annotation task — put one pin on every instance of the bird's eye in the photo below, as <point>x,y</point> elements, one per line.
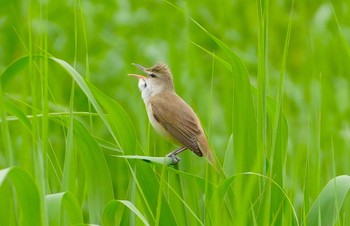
<point>152,75</point>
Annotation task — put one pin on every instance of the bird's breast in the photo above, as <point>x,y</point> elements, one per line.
<point>156,125</point>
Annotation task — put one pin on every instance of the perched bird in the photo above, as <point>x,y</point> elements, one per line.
<point>169,114</point>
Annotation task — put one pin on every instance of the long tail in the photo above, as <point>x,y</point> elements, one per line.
<point>205,149</point>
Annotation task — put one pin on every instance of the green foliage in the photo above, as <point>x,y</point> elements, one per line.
<point>55,204</point>
<point>328,204</point>
<point>29,205</point>
<point>269,81</point>
<point>112,210</point>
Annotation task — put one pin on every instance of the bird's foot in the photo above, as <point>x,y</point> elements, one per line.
<point>174,157</point>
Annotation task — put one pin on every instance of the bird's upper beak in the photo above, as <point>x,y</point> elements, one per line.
<point>136,75</point>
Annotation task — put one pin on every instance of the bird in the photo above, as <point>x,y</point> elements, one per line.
<point>169,114</point>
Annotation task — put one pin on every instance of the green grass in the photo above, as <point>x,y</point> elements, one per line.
<point>269,81</point>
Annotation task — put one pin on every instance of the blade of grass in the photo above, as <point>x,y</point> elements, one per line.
<point>14,110</point>
<point>342,35</point>
<point>160,160</point>
<point>325,210</point>
<point>26,194</point>
<point>120,122</point>
<point>183,201</point>
<point>97,175</point>
<point>9,72</point>
<point>69,168</point>
<point>228,167</point>
<point>222,61</point>
<point>263,15</point>
<point>84,87</point>
<point>219,193</point>
<point>263,7</point>
<point>112,208</point>
<point>5,132</point>
<point>44,95</point>
<point>60,203</point>
<point>149,184</point>
<point>279,130</point>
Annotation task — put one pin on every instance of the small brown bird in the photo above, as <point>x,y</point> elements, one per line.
<point>169,114</point>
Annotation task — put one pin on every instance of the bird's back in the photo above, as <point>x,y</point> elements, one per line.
<point>180,125</point>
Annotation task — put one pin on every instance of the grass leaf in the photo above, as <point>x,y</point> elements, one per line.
<point>325,210</point>
<point>119,121</point>
<point>26,195</point>
<point>85,88</point>
<point>109,213</point>
<point>97,175</point>
<point>159,160</point>
<point>228,167</point>
<point>60,203</point>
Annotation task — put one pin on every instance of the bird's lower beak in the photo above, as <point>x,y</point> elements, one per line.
<point>137,76</point>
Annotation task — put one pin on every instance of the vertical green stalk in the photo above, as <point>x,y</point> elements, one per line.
<point>37,164</point>
<point>207,175</point>
<point>279,134</point>
<point>87,68</point>
<point>263,8</point>
<point>279,101</point>
<point>45,105</point>
<point>5,133</point>
<point>210,110</point>
<point>263,16</point>
<point>44,90</point>
<point>69,170</point>
<point>160,196</point>
<point>38,153</point>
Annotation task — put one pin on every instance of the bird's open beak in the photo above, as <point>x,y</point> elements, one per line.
<point>138,76</point>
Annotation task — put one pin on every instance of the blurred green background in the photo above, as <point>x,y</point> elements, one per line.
<point>101,39</point>
<point>118,33</point>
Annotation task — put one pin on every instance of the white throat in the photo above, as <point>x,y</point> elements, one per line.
<point>148,89</point>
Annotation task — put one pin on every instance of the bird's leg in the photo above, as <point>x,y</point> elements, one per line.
<point>173,154</point>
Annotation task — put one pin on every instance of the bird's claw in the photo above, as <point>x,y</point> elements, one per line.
<point>174,157</point>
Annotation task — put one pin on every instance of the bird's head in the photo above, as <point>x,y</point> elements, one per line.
<point>158,79</point>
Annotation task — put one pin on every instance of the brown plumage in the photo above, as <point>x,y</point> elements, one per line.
<point>169,114</point>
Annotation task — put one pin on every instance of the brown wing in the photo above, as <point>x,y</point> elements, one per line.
<point>181,123</point>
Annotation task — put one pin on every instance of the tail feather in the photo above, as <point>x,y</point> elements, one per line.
<point>204,148</point>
